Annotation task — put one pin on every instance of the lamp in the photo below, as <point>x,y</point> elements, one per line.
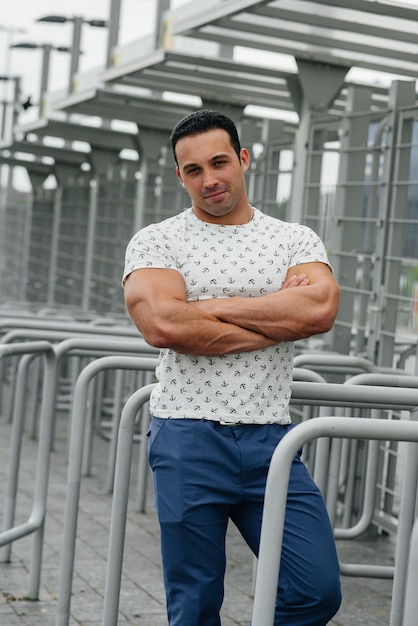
<point>46,48</point>
<point>76,39</point>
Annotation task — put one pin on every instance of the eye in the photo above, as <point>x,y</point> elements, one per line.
<point>192,171</point>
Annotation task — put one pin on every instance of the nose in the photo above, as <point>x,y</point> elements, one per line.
<point>210,179</point>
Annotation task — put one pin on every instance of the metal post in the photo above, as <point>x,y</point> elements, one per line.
<point>75,51</point>
<point>117,405</point>
<point>91,229</point>
<point>162,6</point>
<point>120,505</point>
<point>411,596</point>
<point>35,523</point>
<point>75,471</point>
<point>276,493</point>
<point>46,54</point>
<point>43,461</point>
<point>113,35</point>
<point>54,246</point>
<point>15,451</point>
<point>406,522</point>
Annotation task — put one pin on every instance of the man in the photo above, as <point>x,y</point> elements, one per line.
<point>224,291</point>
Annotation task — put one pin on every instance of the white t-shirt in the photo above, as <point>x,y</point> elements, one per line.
<point>218,261</point>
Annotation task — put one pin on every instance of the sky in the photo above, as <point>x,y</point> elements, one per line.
<point>18,24</point>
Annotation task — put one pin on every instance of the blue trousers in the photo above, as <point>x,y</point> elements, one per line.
<point>205,474</point>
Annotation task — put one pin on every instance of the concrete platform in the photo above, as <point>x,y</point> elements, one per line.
<point>366,601</point>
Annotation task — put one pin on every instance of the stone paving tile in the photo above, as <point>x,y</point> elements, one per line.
<point>366,601</point>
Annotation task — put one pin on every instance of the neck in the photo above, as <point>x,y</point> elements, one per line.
<point>233,218</point>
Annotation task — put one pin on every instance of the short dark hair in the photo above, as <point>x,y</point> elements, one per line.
<point>200,122</point>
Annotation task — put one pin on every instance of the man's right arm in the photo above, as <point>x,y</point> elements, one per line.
<point>157,302</point>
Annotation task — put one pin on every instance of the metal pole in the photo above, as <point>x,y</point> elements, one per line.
<point>411,598</point>
<point>75,472</point>
<point>15,115</point>
<point>162,7</point>
<point>405,526</point>
<point>54,245</point>
<point>75,51</point>
<point>46,55</point>
<point>4,116</point>
<point>15,450</point>
<point>91,230</point>
<point>120,505</point>
<point>113,34</point>
<point>276,493</point>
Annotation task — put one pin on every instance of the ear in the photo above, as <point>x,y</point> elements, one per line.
<point>245,159</point>
<point>179,176</point>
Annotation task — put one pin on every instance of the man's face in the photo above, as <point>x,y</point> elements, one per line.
<point>213,176</point>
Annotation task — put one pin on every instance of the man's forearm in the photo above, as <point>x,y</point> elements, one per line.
<point>157,302</point>
<point>220,338</point>
<point>287,315</point>
<point>187,330</point>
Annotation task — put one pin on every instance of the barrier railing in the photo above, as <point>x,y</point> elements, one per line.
<point>275,503</point>
<point>120,502</point>
<point>45,331</point>
<point>53,354</point>
<point>411,596</point>
<point>75,470</point>
<point>342,366</point>
<point>35,524</point>
<point>334,363</point>
<point>103,327</point>
<point>306,393</point>
<point>366,517</point>
<point>327,394</point>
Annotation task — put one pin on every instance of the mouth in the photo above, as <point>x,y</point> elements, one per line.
<point>218,194</point>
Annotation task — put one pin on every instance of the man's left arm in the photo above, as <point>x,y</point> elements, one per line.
<point>310,308</point>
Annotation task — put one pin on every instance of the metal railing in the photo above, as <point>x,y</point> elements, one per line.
<point>53,354</point>
<point>275,503</point>
<point>411,596</point>
<point>326,394</point>
<point>120,503</point>
<point>35,523</point>
<point>75,470</point>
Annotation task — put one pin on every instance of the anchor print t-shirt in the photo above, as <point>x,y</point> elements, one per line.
<point>217,261</point>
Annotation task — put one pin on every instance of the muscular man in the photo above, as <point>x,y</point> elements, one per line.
<point>224,290</point>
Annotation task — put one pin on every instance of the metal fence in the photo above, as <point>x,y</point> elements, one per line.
<point>114,224</point>
<point>15,225</point>
<point>39,253</point>
<point>361,197</point>
<point>360,194</point>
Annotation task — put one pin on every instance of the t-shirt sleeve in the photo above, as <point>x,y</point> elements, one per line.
<point>307,247</point>
<point>149,248</point>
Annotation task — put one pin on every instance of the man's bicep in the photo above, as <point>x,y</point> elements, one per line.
<point>150,289</point>
<point>322,295</point>
<point>314,271</point>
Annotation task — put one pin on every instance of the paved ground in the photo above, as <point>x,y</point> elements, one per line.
<point>366,601</point>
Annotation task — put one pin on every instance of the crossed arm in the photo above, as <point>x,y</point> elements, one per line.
<point>156,300</point>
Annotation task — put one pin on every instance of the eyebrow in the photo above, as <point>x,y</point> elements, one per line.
<point>216,157</point>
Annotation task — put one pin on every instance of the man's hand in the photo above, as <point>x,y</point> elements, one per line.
<point>295,280</point>
<point>211,305</point>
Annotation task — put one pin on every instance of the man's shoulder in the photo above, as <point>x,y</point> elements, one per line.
<point>279,224</point>
<point>166,227</point>
<point>168,222</point>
